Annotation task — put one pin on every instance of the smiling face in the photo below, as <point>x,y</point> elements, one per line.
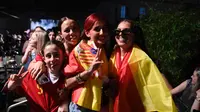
<point>70,32</point>
<point>53,57</point>
<point>98,33</point>
<point>124,35</point>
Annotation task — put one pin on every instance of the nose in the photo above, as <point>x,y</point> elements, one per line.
<point>71,31</point>
<point>102,32</point>
<point>120,33</point>
<point>52,58</point>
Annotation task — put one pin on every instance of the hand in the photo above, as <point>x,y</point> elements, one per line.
<point>96,62</point>
<point>29,48</point>
<point>15,80</point>
<point>36,69</point>
<point>198,95</point>
<point>63,107</point>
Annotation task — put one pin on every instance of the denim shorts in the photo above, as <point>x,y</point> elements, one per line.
<point>75,108</point>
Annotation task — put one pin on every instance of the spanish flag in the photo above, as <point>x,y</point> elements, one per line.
<point>87,95</point>
<point>141,85</point>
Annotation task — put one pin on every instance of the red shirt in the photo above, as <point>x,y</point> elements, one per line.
<point>43,98</point>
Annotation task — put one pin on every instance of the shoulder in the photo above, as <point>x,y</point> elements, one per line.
<point>139,55</point>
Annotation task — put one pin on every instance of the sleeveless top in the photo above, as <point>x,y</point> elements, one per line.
<point>30,58</point>
<point>185,100</point>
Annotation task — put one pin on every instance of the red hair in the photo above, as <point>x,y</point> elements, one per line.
<point>90,20</point>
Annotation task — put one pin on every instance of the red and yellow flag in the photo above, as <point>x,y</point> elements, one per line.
<point>89,94</point>
<point>141,85</point>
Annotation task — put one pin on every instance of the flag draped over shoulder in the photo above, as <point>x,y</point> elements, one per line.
<point>88,95</point>
<point>141,85</point>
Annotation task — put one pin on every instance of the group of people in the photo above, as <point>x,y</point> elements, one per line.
<point>77,73</point>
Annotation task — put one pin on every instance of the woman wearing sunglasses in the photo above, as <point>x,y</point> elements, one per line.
<point>140,84</point>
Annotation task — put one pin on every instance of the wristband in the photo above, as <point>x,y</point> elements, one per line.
<point>79,79</point>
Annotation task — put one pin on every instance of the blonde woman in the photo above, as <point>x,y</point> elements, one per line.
<point>35,44</point>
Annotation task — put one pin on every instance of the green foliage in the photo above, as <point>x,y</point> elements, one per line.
<point>172,38</point>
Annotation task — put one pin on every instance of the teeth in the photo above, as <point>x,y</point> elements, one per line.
<point>121,39</point>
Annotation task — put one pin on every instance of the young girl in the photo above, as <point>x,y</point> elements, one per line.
<point>43,94</point>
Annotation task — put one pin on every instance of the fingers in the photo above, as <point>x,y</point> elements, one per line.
<point>12,76</point>
<point>38,74</point>
<point>32,72</point>
<point>98,53</point>
<point>98,62</point>
<point>36,71</point>
<point>21,70</point>
<point>22,76</point>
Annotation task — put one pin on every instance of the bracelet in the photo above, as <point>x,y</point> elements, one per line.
<point>79,79</point>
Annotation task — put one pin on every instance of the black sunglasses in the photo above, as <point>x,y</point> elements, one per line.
<point>123,32</point>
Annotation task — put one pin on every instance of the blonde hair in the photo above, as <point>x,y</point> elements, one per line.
<point>41,38</point>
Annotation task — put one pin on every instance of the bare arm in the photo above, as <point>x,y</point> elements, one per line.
<point>25,57</point>
<point>85,75</point>
<point>179,88</point>
<point>73,82</point>
<point>26,54</point>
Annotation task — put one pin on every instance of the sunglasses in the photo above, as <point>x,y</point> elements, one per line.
<point>123,32</point>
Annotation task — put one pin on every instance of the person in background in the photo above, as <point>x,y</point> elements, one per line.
<point>51,34</point>
<point>28,35</point>
<point>140,84</point>
<point>188,88</point>
<point>43,95</point>
<point>36,41</point>
<point>39,29</point>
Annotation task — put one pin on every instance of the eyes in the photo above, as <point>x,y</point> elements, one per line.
<point>73,29</point>
<point>98,28</point>
<point>55,55</point>
<point>123,32</point>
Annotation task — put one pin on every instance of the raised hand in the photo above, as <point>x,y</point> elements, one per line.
<point>96,62</point>
<point>15,79</point>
